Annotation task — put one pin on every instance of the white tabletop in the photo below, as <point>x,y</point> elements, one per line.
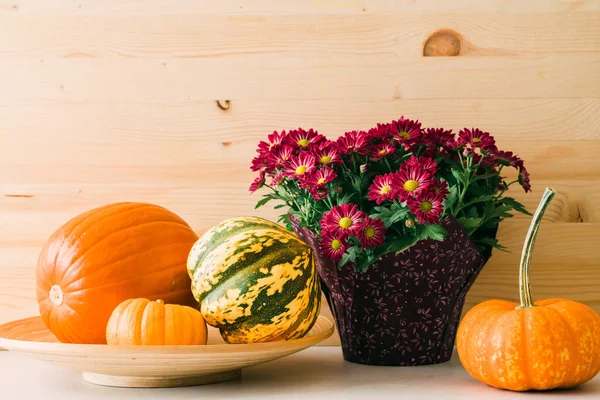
<point>316,373</point>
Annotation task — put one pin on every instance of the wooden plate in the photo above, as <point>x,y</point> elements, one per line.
<point>152,366</point>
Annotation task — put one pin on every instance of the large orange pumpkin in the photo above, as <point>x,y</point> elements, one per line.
<point>553,343</point>
<point>105,256</point>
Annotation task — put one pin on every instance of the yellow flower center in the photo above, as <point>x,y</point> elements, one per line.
<point>300,170</point>
<point>345,223</point>
<point>382,151</point>
<point>284,158</point>
<point>403,135</point>
<point>370,232</point>
<point>321,181</point>
<point>325,160</point>
<point>411,185</point>
<point>385,190</point>
<point>336,244</point>
<point>302,142</point>
<point>476,140</point>
<point>426,206</point>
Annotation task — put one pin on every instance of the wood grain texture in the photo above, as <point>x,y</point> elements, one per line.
<point>118,101</point>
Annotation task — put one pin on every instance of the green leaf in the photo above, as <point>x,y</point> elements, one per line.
<point>492,242</point>
<point>385,214</point>
<point>263,201</point>
<point>278,206</point>
<point>469,223</point>
<point>401,243</point>
<point>349,256</point>
<point>435,232</point>
<point>345,199</point>
<point>479,199</point>
<point>460,177</point>
<point>398,215</point>
<point>501,211</point>
<point>472,213</point>
<point>450,202</point>
<point>509,201</point>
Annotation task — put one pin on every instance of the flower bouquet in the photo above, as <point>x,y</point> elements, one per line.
<point>401,220</point>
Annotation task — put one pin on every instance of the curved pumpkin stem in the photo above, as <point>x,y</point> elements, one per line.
<point>524,285</point>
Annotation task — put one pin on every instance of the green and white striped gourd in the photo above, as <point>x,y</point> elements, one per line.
<point>255,281</point>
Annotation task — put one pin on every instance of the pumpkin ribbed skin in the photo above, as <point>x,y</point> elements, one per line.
<point>105,256</point>
<point>143,322</point>
<point>553,345</point>
<point>255,281</point>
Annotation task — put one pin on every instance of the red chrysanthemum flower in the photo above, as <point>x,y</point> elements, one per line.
<point>280,156</point>
<point>372,232</point>
<point>440,187</point>
<point>353,142</point>
<point>524,179</point>
<point>273,140</point>
<point>507,158</point>
<point>318,179</point>
<point>437,137</point>
<point>333,246</point>
<point>327,154</point>
<point>303,140</point>
<point>382,150</point>
<point>277,178</point>
<point>342,220</point>
<point>298,166</point>
<point>411,181</point>
<point>405,130</point>
<point>260,163</point>
<point>424,163</point>
<point>258,182</point>
<point>383,188</point>
<point>476,138</point>
<point>427,206</point>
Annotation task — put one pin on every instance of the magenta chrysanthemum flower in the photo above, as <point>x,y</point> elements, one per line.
<point>440,187</point>
<point>383,188</point>
<point>382,150</point>
<point>304,139</point>
<point>327,154</point>
<point>273,140</point>
<point>353,142</point>
<point>259,163</point>
<point>372,232</point>
<point>298,166</point>
<point>342,220</point>
<point>258,182</point>
<point>476,138</point>
<point>318,179</point>
<point>437,137</point>
<point>280,156</point>
<point>405,130</point>
<point>507,158</point>
<point>277,178</point>
<point>424,163</point>
<point>427,206</point>
<point>410,182</point>
<point>333,246</point>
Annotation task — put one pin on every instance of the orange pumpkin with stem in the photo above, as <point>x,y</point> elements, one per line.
<point>553,343</point>
<point>145,322</point>
<point>105,256</point>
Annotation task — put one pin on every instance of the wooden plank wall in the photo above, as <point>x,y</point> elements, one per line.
<point>118,100</point>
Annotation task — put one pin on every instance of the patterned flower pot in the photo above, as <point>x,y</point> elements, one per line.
<point>406,308</point>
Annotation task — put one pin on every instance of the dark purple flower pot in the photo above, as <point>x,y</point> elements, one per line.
<point>406,308</point>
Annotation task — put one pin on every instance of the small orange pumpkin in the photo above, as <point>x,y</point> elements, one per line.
<point>144,322</point>
<point>554,343</point>
<point>105,256</point>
